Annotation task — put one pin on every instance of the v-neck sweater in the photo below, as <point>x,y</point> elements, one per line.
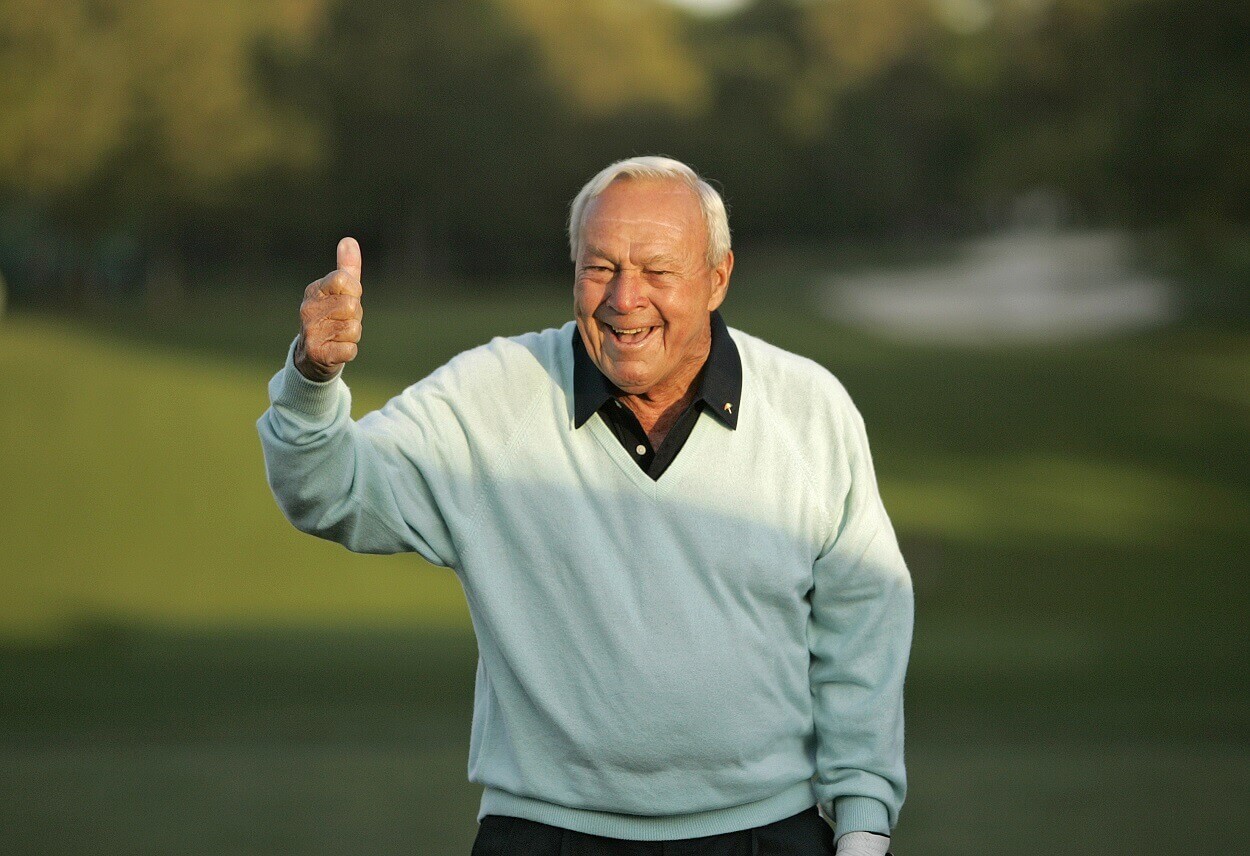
<point>717,390</point>
<point>707,652</point>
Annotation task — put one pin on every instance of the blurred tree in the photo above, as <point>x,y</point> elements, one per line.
<point>122,115</point>
<point>1139,112</point>
<point>450,134</point>
<point>1179,90</point>
<point>831,117</point>
<point>63,98</point>
<point>459,129</point>
<point>854,41</point>
<point>439,127</point>
<point>608,55</point>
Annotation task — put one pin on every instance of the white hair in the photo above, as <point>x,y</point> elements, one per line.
<point>710,203</point>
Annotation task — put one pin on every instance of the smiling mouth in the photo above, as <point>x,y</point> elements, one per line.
<point>628,335</point>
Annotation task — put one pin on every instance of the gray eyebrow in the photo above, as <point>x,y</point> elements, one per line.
<point>590,250</point>
<point>663,259</point>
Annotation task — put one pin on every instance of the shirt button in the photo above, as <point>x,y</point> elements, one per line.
<point>642,450</point>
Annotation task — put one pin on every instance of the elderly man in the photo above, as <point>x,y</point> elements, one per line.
<point>692,614</point>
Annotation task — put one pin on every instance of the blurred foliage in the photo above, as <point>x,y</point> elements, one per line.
<point>153,141</point>
<point>606,56</point>
<point>143,98</point>
<point>123,121</point>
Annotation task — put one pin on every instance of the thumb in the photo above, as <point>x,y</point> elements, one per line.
<point>349,257</point>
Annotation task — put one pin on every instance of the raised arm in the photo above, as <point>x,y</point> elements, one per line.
<point>365,484</point>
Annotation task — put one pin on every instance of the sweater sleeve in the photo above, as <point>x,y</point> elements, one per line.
<point>363,484</point>
<point>859,636</point>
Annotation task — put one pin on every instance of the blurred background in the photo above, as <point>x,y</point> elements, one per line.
<point>1017,230</point>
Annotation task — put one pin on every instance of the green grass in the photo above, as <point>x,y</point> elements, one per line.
<point>141,741</point>
<point>138,741</point>
<point>186,673</point>
<point>137,491</point>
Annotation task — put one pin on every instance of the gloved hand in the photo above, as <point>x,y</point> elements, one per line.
<point>863,844</point>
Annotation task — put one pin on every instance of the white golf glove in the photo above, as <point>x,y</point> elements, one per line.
<point>863,844</point>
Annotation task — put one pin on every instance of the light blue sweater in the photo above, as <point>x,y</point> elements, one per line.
<point>709,652</point>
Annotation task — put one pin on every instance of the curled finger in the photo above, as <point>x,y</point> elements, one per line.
<point>345,331</point>
<point>340,352</point>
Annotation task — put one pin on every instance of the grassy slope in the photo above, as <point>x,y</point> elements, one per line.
<point>1076,520</point>
<point>137,491</point>
<point>1070,481</point>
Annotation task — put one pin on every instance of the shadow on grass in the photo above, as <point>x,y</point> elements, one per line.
<point>138,740</point>
<point>125,739</point>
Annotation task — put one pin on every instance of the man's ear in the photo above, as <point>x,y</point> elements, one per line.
<point>720,281</point>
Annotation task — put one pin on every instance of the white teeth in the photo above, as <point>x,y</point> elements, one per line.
<point>621,332</point>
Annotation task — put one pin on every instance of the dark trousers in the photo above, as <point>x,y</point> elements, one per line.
<point>802,834</point>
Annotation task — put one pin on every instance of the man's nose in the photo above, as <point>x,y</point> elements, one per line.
<point>626,293</point>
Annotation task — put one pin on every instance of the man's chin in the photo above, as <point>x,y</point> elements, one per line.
<point>630,387</point>
<point>629,382</point>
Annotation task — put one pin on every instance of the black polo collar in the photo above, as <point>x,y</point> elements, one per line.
<point>720,383</point>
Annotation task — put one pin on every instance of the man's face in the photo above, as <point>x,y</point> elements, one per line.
<point>644,290</point>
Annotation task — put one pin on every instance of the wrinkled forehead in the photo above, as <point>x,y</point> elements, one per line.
<point>645,210</point>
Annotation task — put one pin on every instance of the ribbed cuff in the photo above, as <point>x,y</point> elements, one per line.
<point>860,814</point>
<point>311,397</point>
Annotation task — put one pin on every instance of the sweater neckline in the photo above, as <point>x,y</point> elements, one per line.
<point>675,471</point>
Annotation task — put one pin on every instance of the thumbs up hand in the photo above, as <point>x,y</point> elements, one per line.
<point>330,318</point>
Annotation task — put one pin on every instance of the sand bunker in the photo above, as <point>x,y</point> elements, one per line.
<point>1031,285</point>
